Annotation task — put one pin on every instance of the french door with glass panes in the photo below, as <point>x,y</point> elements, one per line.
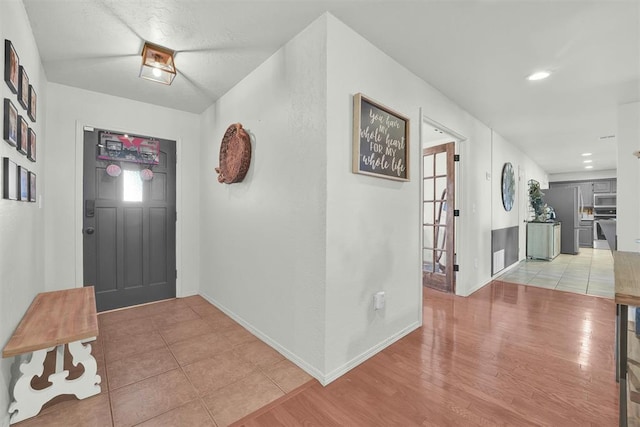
<point>438,256</point>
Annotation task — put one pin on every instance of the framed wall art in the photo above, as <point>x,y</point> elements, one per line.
<point>11,66</point>
<point>33,101</point>
<point>32,187</point>
<point>23,135</point>
<point>23,183</point>
<point>23,89</point>
<point>10,179</point>
<point>10,123</point>
<point>31,151</point>
<point>380,140</point>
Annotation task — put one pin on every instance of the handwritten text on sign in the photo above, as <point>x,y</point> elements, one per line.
<point>383,145</point>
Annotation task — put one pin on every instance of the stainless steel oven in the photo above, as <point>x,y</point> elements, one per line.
<point>601,213</point>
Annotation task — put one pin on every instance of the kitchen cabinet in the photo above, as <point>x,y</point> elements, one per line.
<point>585,236</point>
<point>602,186</point>
<point>587,193</point>
<point>588,188</point>
<point>543,240</point>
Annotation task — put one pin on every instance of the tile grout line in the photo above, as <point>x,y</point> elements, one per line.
<point>199,398</point>
<point>155,329</point>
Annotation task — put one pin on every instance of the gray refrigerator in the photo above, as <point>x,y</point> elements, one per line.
<point>566,203</point>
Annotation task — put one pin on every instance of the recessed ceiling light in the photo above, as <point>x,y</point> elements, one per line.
<point>587,161</point>
<point>539,75</point>
<point>588,167</point>
<point>586,154</point>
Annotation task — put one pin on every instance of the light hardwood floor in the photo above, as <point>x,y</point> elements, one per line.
<point>507,355</point>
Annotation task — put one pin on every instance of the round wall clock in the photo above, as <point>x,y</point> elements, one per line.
<point>508,186</point>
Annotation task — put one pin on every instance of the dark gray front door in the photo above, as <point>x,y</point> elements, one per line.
<point>129,228</point>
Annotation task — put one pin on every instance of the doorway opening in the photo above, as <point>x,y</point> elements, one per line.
<point>129,218</point>
<point>439,198</point>
<point>438,226</point>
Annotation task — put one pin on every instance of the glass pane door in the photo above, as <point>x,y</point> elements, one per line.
<point>437,221</point>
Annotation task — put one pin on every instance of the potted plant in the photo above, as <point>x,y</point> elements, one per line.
<point>541,211</point>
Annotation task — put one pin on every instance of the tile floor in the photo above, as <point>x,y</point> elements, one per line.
<point>590,272</point>
<point>179,362</point>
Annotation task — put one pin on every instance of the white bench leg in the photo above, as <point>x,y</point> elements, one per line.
<point>28,402</point>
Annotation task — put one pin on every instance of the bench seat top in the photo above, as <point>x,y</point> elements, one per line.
<point>55,318</point>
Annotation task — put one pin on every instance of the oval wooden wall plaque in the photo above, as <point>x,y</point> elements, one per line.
<point>235,155</point>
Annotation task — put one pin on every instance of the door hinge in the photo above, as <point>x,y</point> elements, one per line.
<point>176,216</point>
<point>456,212</point>
<point>176,273</point>
<point>456,157</point>
<point>456,267</point>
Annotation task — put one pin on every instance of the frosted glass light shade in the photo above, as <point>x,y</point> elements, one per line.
<point>157,64</point>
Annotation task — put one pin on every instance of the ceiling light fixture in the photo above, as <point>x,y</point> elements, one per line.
<point>157,64</point>
<point>587,161</point>
<point>539,75</point>
<point>588,167</point>
<point>586,154</point>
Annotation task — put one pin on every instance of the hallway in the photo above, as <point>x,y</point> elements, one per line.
<point>590,272</point>
<point>507,355</point>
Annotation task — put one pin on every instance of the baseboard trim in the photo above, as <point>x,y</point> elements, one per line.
<point>337,373</point>
<point>302,364</point>
<point>292,357</point>
<point>477,287</point>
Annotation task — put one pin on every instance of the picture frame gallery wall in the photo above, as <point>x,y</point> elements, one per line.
<point>19,115</point>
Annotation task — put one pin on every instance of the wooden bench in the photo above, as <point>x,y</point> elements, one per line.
<point>53,320</point>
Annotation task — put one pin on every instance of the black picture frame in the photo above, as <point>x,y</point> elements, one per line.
<point>10,123</point>
<point>23,135</point>
<point>23,184</point>
<point>31,149</point>
<point>23,89</point>
<point>33,104</point>
<point>11,66</point>
<point>380,140</point>
<point>32,187</point>
<point>10,179</point>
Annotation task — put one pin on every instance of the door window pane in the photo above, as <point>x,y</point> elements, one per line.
<point>428,213</point>
<point>427,261</point>
<point>428,189</point>
<point>427,241</point>
<point>441,163</point>
<point>428,165</point>
<point>441,186</point>
<point>132,191</point>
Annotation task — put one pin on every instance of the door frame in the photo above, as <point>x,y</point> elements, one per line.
<point>426,126</point>
<point>78,199</point>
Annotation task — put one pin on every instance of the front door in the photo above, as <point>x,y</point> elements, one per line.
<point>438,255</point>
<point>129,225</point>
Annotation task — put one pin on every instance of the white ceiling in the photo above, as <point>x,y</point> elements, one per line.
<point>477,52</point>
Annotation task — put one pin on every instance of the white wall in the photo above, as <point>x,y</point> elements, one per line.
<point>373,224</point>
<point>628,217</point>
<point>524,169</point>
<point>583,176</point>
<point>21,223</point>
<point>263,240</point>
<point>68,109</point>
